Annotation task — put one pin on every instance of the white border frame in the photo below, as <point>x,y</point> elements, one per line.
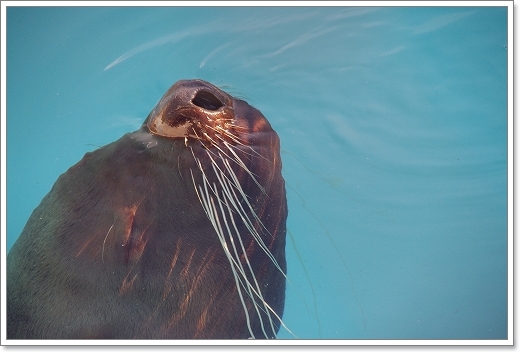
<point>510,174</point>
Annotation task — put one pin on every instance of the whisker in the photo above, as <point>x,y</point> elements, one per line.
<point>236,159</point>
<point>257,292</point>
<point>248,287</point>
<point>229,194</point>
<point>232,196</point>
<point>215,165</point>
<point>216,225</point>
<point>243,166</point>
<point>103,247</point>
<point>221,131</point>
<point>252,149</point>
<point>199,165</point>
<point>228,209</point>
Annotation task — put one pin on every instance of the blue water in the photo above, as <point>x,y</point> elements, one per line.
<point>393,124</point>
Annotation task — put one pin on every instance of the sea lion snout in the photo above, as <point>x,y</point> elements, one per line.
<point>198,93</point>
<point>191,108</point>
<point>206,100</point>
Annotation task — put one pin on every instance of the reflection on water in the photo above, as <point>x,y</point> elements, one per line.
<point>393,127</point>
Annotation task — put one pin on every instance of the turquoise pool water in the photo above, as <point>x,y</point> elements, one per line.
<point>393,124</point>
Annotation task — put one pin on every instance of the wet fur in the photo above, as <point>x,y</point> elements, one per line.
<point>122,247</point>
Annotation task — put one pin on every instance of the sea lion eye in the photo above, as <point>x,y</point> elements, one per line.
<point>206,100</point>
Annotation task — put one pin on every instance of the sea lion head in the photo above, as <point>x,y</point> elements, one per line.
<point>176,230</point>
<point>223,137</point>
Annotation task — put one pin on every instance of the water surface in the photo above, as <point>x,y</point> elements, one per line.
<point>393,124</point>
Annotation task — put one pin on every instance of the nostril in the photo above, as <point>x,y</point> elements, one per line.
<point>206,100</point>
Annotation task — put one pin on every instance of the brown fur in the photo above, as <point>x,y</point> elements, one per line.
<point>121,247</point>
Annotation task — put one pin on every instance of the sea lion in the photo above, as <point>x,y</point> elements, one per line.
<point>174,231</point>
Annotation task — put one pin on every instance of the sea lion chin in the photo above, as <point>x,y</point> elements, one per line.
<point>174,231</point>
